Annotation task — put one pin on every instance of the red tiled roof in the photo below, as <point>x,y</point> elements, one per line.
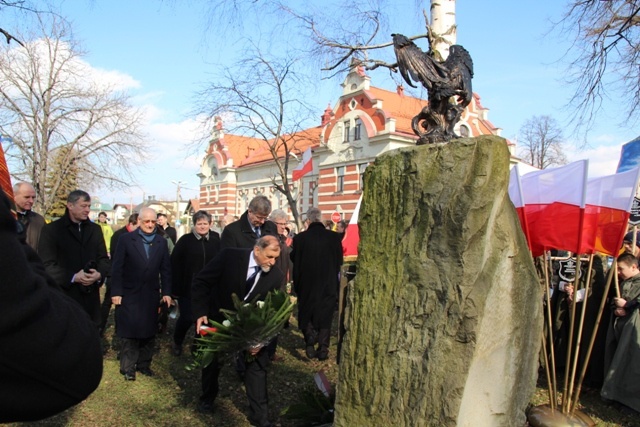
<point>246,151</point>
<point>402,108</point>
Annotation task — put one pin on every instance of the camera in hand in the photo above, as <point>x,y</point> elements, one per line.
<point>91,265</point>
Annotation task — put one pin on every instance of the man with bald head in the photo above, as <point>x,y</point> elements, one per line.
<point>248,273</point>
<point>24,196</point>
<point>140,277</point>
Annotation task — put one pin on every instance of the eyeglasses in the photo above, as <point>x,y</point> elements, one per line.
<point>147,221</point>
<point>282,224</point>
<point>260,217</point>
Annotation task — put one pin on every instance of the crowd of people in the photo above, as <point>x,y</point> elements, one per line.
<point>613,366</point>
<point>145,266</point>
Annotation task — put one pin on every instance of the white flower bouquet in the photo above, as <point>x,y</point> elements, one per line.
<point>251,325</point>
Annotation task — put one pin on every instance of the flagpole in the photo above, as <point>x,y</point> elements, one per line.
<point>552,399</point>
<point>607,286</point>
<point>552,384</point>
<point>576,355</point>
<point>567,363</point>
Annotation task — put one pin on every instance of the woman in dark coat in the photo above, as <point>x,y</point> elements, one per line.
<point>192,252</point>
<point>141,272</point>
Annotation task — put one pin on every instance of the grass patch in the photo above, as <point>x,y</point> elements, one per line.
<point>170,397</point>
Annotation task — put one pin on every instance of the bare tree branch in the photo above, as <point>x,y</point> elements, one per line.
<point>260,96</point>
<point>605,54</point>
<point>49,102</point>
<point>541,142</point>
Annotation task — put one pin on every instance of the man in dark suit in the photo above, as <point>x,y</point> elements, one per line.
<point>68,246</point>
<point>50,356</point>
<point>106,302</point>
<point>243,233</point>
<point>317,256</point>
<point>252,225</point>
<point>247,273</point>
<point>168,230</point>
<point>141,272</point>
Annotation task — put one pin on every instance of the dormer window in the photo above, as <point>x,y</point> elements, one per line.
<point>347,131</point>
<point>357,130</point>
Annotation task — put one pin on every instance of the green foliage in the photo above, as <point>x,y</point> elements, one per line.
<point>251,324</point>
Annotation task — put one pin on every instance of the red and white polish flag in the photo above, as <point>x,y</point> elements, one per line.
<point>352,233</point>
<point>608,203</point>
<point>551,205</point>
<point>305,167</point>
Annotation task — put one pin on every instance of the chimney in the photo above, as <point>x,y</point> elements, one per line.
<point>327,116</point>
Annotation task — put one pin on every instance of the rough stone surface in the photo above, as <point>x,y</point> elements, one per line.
<point>444,316</point>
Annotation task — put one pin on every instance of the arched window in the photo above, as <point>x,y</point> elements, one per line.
<point>347,131</point>
<point>357,130</point>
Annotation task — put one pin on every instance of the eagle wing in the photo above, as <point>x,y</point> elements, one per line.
<point>460,68</point>
<point>416,65</point>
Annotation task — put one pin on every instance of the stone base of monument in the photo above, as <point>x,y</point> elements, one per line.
<point>444,316</point>
<point>544,416</point>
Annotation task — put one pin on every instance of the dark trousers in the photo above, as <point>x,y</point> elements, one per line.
<point>135,354</point>
<point>255,382</point>
<point>314,336</point>
<point>185,321</point>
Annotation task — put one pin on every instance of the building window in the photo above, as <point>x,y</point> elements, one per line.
<point>361,168</point>
<point>347,130</point>
<point>357,129</point>
<point>340,179</point>
<point>464,131</point>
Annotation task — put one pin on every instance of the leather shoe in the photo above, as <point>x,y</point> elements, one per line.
<point>130,376</point>
<point>146,371</point>
<point>323,356</point>
<point>176,349</point>
<point>205,407</point>
<point>310,351</point>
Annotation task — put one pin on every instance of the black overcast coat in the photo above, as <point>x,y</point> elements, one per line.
<point>317,256</point>
<point>189,256</point>
<point>239,234</point>
<point>50,356</point>
<point>138,280</point>
<point>64,251</point>
<point>226,274</point>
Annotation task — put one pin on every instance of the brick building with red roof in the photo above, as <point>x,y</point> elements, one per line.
<point>366,122</point>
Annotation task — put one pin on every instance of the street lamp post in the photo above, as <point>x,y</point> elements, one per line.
<point>178,184</point>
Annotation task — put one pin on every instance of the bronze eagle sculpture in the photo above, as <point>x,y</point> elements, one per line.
<point>448,85</point>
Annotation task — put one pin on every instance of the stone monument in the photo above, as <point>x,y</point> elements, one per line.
<point>444,316</point>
